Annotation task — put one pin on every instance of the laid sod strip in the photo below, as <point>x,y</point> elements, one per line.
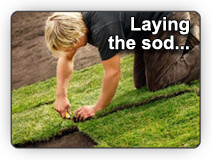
<point>33,96</point>
<point>38,124</point>
<point>142,96</point>
<point>172,122</point>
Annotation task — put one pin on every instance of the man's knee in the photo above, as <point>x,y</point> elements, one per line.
<point>139,83</point>
<point>138,86</point>
<point>151,87</point>
<point>154,86</point>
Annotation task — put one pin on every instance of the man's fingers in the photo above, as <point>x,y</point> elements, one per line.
<point>62,106</point>
<point>81,117</point>
<point>69,110</point>
<point>56,108</point>
<point>78,115</point>
<point>85,117</point>
<point>58,111</point>
<point>63,114</point>
<point>78,110</point>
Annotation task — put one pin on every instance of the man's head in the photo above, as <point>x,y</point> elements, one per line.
<point>64,31</point>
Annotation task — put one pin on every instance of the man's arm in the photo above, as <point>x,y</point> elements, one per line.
<point>64,71</point>
<point>109,86</point>
<point>110,82</point>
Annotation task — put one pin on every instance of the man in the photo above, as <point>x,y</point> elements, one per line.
<point>67,32</point>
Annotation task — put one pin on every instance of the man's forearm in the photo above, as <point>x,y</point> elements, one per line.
<point>109,86</point>
<point>64,71</point>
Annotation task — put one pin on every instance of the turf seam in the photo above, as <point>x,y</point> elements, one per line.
<point>143,102</point>
<point>45,103</point>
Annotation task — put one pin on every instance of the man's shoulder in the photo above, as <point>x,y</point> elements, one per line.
<point>97,21</point>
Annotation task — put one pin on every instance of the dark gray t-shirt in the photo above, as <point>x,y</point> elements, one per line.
<point>102,25</point>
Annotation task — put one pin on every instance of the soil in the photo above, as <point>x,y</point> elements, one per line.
<point>31,59</point>
<point>72,140</point>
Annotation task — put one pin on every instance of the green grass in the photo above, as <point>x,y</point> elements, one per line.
<point>172,122</point>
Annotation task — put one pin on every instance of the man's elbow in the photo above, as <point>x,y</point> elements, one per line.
<point>119,75</point>
<point>116,74</point>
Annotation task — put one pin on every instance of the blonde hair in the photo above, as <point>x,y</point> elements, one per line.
<point>63,30</point>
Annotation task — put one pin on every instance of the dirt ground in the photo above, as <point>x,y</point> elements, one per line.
<point>74,140</point>
<point>31,60</point>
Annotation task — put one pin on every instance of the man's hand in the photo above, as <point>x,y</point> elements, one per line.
<point>62,105</point>
<point>85,112</point>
